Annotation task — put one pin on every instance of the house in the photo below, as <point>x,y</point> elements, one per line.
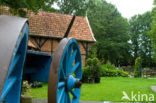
<point>47,29</point>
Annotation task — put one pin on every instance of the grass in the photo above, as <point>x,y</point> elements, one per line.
<point>110,89</point>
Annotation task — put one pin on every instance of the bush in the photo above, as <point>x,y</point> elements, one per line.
<point>93,52</point>
<point>137,68</point>
<point>36,84</point>
<point>25,87</point>
<point>108,66</point>
<point>109,70</point>
<point>113,73</point>
<point>124,74</point>
<point>94,67</point>
<point>85,73</point>
<point>89,62</point>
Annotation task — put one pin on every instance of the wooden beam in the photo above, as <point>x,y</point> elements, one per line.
<point>33,42</point>
<point>69,27</point>
<point>86,49</point>
<point>37,43</point>
<point>40,41</point>
<point>43,43</point>
<point>51,46</point>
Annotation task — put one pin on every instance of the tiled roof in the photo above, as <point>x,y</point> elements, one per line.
<point>55,25</point>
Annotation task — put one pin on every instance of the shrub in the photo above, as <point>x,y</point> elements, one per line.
<point>89,62</point>
<point>93,52</point>
<point>36,84</point>
<point>25,87</point>
<point>137,68</point>
<point>85,73</point>
<point>124,74</point>
<point>108,66</point>
<point>113,73</point>
<point>94,67</point>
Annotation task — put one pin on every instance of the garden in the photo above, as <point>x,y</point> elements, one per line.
<point>109,89</point>
<point>105,82</point>
<point>120,62</point>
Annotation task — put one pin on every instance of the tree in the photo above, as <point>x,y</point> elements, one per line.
<point>140,41</point>
<point>152,33</point>
<point>16,6</point>
<point>74,7</point>
<point>110,30</point>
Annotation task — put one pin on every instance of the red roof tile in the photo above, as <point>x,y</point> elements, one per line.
<point>55,25</point>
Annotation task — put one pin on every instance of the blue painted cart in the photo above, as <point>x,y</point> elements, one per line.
<point>62,71</point>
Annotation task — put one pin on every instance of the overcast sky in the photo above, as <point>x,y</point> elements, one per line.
<point>128,8</point>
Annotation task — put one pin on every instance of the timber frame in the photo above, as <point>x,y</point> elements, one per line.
<point>40,42</point>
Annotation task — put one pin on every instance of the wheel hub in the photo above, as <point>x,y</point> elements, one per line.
<point>72,82</point>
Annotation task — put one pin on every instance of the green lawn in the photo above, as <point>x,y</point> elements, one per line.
<point>110,89</point>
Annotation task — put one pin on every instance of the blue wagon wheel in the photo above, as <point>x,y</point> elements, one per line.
<point>16,31</point>
<point>65,73</point>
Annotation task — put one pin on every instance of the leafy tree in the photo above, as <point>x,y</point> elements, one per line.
<point>34,5</point>
<point>153,31</point>
<point>140,41</point>
<point>110,30</point>
<point>74,7</point>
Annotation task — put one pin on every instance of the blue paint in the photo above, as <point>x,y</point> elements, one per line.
<point>12,87</point>
<point>70,64</point>
<point>37,66</point>
<point>71,82</point>
<point>38,70</point>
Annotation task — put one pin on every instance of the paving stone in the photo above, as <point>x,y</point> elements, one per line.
<point>153,88</point>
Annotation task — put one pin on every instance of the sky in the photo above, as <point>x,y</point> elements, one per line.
<point>129,8</point>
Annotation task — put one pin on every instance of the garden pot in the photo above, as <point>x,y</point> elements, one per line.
<point>97,80</point>
<point>91,80</point>
<point>85,80</point>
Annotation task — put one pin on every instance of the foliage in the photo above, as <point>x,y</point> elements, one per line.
<point>110,30</point>
<point>36,84</point>
<point>113,72</point>
<point>25,87</point>
<point>94,67</point>
<point>140,41</point>
<point>34,5</point>
<point>137,68</point>
<point>152,33</point>
<point>109,66</point>
<point>92,52</point>
<point>85,73</point>
<point>74,7</point>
